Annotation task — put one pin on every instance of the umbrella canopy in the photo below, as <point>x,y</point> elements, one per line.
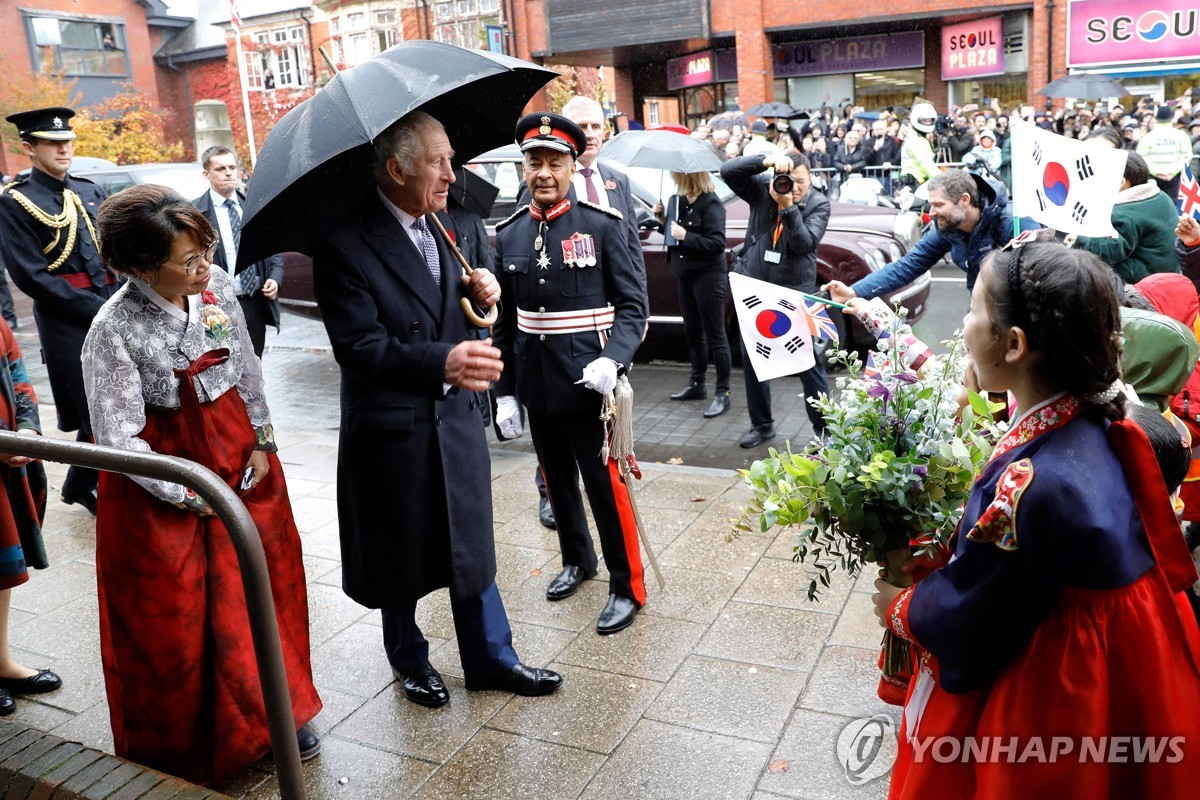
<point>674,127</point>
<point>661,150</point>
<point>474,192</point>
<point>727,119</point>
<point>315,165</point>
<point>1084,86</point>
<point>772,110</point>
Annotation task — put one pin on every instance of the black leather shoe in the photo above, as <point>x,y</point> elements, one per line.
<point>618,614</point>
<point>87,500</point>
<point>44,681</point>
<point>546,514</point>
<point>695,391</point>
<point>310,745</point>
<point>7,706</point>
<point>423,686</point>
<point>566,583</point>
<point>719,406</point>
<point>522,680</point>
<point>757,435</point>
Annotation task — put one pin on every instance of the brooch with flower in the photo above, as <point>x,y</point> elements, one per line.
<point>214,320</point>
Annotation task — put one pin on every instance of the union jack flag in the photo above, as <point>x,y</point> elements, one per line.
<point>819,323</point>
<point>234,17</point>
<point>1189,194</point>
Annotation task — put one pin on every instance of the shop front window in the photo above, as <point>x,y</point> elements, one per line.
<point>1009,90</point>
<point>876,90</point>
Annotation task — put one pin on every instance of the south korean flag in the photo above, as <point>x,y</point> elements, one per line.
<point>774,327</point>
<point>1064,183</point>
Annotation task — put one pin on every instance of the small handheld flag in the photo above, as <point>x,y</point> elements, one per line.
<point>1189,194</point>
<point>775,327</point>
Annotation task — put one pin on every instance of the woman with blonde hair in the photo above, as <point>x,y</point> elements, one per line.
<point>695,229</point>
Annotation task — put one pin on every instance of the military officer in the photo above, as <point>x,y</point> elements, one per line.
<point>47,224</point>
<point>573,318</point>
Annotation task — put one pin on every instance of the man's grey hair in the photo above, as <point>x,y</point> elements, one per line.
<point>402,140</point>
<point>579,105</point>
<point>954,183</point>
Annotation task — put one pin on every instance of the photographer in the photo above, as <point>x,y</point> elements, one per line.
<point>916,151</point>
<point>787,221</point>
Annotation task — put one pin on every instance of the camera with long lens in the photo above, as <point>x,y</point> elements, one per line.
<point>782,183</point>
<point>944,126</point>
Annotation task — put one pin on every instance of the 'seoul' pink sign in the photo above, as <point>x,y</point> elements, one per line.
<point>1132,31</point>
<point>973,49</point>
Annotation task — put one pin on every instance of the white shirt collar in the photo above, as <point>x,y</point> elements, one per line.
<point>219,202</point>
<point>403,217</point>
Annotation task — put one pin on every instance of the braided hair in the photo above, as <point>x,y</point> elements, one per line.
<point>1064,301</point>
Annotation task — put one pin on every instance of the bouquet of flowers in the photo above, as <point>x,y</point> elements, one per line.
<point>899,458</point>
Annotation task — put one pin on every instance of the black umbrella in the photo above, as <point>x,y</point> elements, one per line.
<point>772,110</point>
<point>1084,86</point>
<point>474,192</point>
<point>315,165</point>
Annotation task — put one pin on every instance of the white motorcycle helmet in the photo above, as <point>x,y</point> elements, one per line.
<point>923,117</point>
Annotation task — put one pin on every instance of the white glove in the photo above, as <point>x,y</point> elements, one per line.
<point>508,417</point>
<point>600,375</point>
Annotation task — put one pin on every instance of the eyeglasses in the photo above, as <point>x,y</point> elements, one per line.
<point>193,263</point>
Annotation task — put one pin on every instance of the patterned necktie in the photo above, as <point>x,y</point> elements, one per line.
<point>586,172</point>
<point>429,247</point>
<point>235,224</point>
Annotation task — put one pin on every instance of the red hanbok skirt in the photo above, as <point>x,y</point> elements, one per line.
<point>1104,664</point>
<point>179,667</point>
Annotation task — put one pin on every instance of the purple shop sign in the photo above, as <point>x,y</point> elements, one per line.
<point>710,66</point>
<point>1131,31</point>
<point>973,49</point>
<point>873,53</point>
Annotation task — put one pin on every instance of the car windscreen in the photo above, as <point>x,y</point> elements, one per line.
<point>187,180</point>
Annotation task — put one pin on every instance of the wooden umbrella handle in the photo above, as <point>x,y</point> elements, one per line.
<point>488,319</point>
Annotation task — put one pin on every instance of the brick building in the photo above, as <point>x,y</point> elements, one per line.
<point>706,56</point>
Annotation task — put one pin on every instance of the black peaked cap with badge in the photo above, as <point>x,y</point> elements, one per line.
<point>552,131</point>
<point>44,123</point>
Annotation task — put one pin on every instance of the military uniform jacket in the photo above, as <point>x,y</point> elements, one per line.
<point>65,300</point>
<point>541,369</point>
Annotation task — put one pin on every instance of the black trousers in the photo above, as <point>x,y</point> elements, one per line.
<point>569,442</point>
<point>702,302</point>
<point>758,394</point>
<point>258,317</point>
<point>1171,187</point>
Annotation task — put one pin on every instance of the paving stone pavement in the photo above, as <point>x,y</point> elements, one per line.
<point>729,685</point>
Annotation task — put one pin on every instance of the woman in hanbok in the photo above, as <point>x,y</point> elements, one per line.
<point>169,368</point>
<point>1058,657</point>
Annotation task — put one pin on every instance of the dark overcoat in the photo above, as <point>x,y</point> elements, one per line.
<point>65,300</point>
<point>270,268</point>
<point>414,476</point>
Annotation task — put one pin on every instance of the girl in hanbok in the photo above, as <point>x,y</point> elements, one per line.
<point>1058,657</point>
<point>169,368</point>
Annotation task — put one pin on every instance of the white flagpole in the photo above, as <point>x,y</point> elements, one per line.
<point>241,57</point>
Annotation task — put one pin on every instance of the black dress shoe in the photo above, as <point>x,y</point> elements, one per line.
<point>7,706</point>
<point>566,583</point>
<point>423,686</point>
<point>719,406</point>
<point>522,680</point>
<point>757,435</point>
<point>695,391</point>
<point>310,745</point>
<point>617,615</point>
<point>546,514</point>
<point>86,499</point>
<point>44,681</point>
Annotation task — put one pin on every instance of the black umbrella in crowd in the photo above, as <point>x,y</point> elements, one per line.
<point>315,165</point>
<point>474,192</point>
<point>1084,86</point>
<point>772,110</point>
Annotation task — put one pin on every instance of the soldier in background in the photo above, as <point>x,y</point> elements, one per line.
<point>47,225</point>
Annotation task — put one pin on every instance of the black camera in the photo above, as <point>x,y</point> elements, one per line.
<point>782,183</point>
<point>944,124</point>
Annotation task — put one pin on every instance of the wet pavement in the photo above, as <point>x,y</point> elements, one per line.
<point>729,685</point>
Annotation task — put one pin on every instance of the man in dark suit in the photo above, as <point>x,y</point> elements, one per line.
<point>46,226</point>
<point>257,284</point>
<point>414,479</point>
<point>573,319</point>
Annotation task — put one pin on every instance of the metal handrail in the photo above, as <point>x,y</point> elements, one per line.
<point>252,562</point>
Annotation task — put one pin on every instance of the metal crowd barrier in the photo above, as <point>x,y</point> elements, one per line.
<point>252,562</point>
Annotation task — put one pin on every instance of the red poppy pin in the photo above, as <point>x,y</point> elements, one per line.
<point>611,185</point>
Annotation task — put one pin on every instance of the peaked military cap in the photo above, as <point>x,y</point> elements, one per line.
<point>44,123</point>
<point>552,131</point>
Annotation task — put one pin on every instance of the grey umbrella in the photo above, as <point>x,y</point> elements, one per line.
<point>664,150</point>
<point>772,110</point>
<point>315,165</point>
<point>1084,87</point>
